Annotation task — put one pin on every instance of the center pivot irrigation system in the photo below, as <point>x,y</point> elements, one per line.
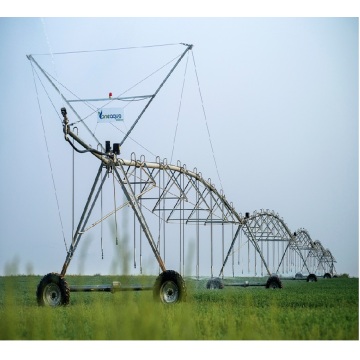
<point>166,197</point>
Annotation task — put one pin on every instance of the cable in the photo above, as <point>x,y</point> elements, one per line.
<point>205,118</point>
<point>177,119</point>
<point>51,169</point>
<point>34,71</point>
<point>93,108</point>
<point>134,141</point>
<point>105,50</point>
<point>52,55</point>
<point>130,88</point>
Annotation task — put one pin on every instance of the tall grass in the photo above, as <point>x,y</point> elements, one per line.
<point>324,310</point>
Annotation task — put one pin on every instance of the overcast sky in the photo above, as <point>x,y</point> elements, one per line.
<point>281,103</point>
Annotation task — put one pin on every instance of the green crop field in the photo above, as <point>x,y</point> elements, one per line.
<point>324,310</point>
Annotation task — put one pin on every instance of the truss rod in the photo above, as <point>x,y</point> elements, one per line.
<point>83,219</point>
<point>139,97</point>
<point>136,208</point>
<point>230,250</point>
<point>188,47</point>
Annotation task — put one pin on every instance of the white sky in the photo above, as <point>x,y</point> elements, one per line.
<point>281,100</point>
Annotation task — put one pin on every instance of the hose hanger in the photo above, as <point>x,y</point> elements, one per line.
<point>73,184</point>
<point>116,227</point>
<point>101,213</point>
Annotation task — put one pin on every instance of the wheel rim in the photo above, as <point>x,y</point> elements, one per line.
<point>52,295</point>
<point>169,292</point>
<point>212,285</point>
<point>273,285</point>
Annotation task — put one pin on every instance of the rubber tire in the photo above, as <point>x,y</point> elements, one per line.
<point>53,291</point>
<point>214,283</point>
<point>299,276</point>
<point>273,282</point>
<point>327,276</point>
<point>169,288</point>
<point>311,278</point>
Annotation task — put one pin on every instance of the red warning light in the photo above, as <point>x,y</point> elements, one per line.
<point>110,95</point>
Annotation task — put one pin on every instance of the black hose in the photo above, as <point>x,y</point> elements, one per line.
<point>93,151</point>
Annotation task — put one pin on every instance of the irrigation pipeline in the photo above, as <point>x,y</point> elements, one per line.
<point>263,226</point>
